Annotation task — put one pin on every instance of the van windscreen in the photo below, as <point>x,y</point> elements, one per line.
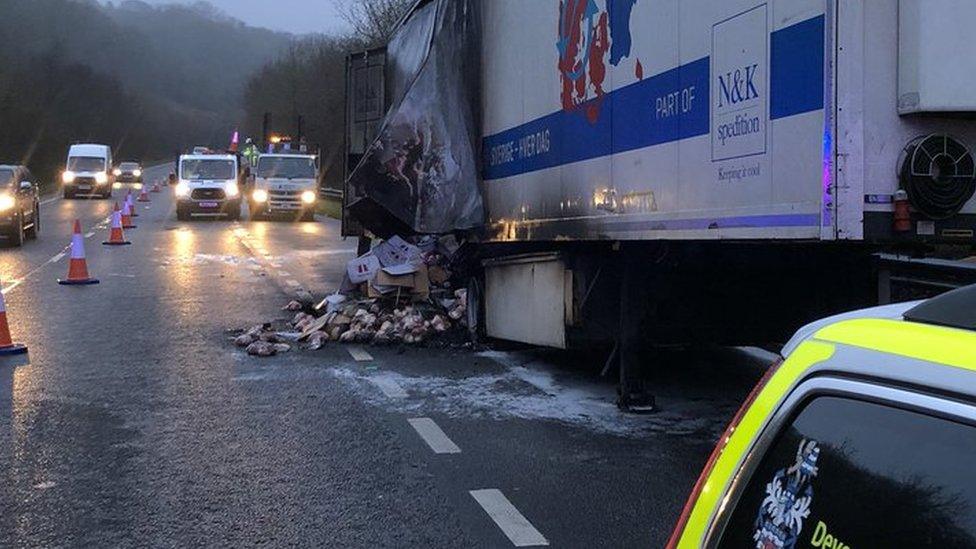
<point>207,169</point>
<point>86,164</point>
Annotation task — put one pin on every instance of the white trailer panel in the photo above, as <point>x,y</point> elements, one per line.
<point>695,119</point>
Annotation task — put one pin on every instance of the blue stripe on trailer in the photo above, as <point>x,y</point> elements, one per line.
<point>629,117</point>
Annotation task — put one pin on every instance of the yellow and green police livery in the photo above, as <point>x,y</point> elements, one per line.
<point>863,436</point>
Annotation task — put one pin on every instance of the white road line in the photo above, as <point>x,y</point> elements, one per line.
<point>434,436</point>
<point>292,282</point>
<point>89,235</point>
<point>389,387</point>
<point>359,354</point>
<point>58,257</point>
<point>49,200</point>
<point>512,523</point>
<point>284,274</point>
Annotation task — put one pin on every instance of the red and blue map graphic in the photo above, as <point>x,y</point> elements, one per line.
<point>589,38</point>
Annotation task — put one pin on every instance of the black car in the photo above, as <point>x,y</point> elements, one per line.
<point>128,172</point>
<point>20,210</point>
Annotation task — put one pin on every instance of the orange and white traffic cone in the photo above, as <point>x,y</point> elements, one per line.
<point>144,195</point>
<point>78,267</point>
<point>155,188</point>
<point>116,236</point>
<point>132,205</point>
<point>127,216</point>
<point>7,346</point>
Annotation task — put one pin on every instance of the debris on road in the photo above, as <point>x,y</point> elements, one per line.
<point>400,292</point>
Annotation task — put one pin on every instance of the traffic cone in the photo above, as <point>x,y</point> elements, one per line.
<point>144,195</point>
<point>116,236</point>
<point>78,267</point>
<point>7,346</point>
<point>127,216</point>
<point>132,205</point>
<point>155,188</point>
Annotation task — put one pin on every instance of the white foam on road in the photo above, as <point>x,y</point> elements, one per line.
<point>512,523</point>
<point>536,392</point>
<point>388,386</point>
<point>434,436</point>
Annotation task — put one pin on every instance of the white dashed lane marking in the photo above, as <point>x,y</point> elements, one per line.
<point>512,523</point>
<point>359,354</point>
<point>389,387</point>
<point>434,436</point>
<point>89,235</point>
<point>58,257</point>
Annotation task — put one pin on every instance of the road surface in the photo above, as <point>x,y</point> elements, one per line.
<point>135,422</point>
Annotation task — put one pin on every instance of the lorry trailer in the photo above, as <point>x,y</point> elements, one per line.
<point>687,171</point>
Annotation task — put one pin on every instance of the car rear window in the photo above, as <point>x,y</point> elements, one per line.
<point>849,474</point>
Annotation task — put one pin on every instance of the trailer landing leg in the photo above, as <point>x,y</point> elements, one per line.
<point>634,396</point>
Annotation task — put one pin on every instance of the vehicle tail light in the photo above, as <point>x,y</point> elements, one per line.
<point>903,216</point>
<point>679,528</point>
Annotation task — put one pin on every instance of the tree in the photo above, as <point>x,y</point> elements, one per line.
<point>374,21</point>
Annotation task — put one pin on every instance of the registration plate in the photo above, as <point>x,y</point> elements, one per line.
<point>209,204</point>
<point>84,187</point>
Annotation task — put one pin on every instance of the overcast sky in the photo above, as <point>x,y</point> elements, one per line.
<point>297,16</point>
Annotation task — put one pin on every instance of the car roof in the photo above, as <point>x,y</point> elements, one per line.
<point>884,312</point>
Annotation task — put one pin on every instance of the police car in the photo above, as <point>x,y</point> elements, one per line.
<point>863,436</point>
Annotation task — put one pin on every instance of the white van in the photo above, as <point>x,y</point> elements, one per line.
<point>208,186</point>
<point>88,171</point>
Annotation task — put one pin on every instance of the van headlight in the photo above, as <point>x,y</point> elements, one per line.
<point>308,197</point>
<point>68,176</point>
<point>232,190</point>
<point>182,190</point>
<point>137,173</point>
<point>7,202</point>
<point>117,172</point>
<point>101,178</point>
<point>260,196</point>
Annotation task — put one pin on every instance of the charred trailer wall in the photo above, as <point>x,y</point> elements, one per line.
<point>421,175</point>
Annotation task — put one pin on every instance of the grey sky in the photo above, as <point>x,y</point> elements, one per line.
<point>297,16</point>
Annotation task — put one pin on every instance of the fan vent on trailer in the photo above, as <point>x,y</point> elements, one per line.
<point>939,175</point>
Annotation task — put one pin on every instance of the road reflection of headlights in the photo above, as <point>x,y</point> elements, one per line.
<point>232,190</point>
<point>137,186</point>
<point>308,197</point>
<point>7,202</point>
<point>260,195</point>
<point>182,189</point>
<point>116,185</point>
<point>137,173</point>
<point>101,178</point>
<point>68,176</point>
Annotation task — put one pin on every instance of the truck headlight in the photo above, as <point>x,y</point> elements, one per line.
<point>68,176</point>
<point>7,202</point>
<point>308,197</point>
<point>101,178</point>
<point>182,190</point>
<point>232,190</point>
<point>260,195</point>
